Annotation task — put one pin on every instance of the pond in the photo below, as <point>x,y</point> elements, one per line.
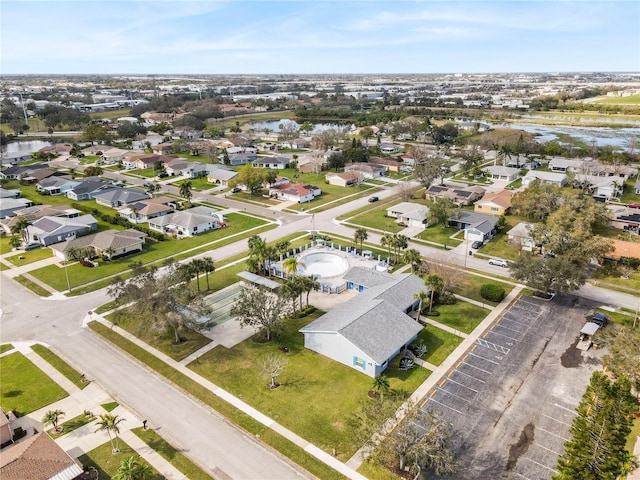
<point>24,147</point>
<point>274,126</point>
<point>603,136</point>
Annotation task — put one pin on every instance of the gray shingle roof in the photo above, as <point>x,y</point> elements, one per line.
<point>367,277</point>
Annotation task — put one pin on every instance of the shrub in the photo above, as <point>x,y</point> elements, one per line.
<point>492,292</point>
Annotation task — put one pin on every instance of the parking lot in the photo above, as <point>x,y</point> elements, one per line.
<point>512,396</point>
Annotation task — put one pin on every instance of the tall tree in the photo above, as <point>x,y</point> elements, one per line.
<point>272,365</point>
<point>360,235</point>
<point>440,210</point>
<point>399,242</point>
<point>21,227</point>
<point>249,176</point>
<point>185,191</point>
<point>413,258</point>
<point>208,267</point>
<point>110,424</point>
<point>261,309</point>
<point>421,296</point>
<point>435,284</point>
<point>387,241</point>
<point>291,265</point>
<point>622,357</point>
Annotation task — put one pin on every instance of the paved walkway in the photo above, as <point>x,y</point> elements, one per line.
<point>84,439</point>
<point>308,447</point>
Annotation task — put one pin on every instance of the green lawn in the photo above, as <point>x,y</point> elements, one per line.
<point>197,184</point>
<point>30,256</point>
<point>375,216</point>
<point>619,318</point>
<point>24,386</point>
<point>462,316</point>
<point>437,234</point>
<point>469,287</point>
<point>5,347</point>
<point>110,406</point>
<point>107,464</point>
<point>301,403</point>
<point>628,100</point>
<point>4,244</point>
<point>171,454</point>
<point>59,364</point>
<point>276,441</point>
<point>71,425</point>
<point>439,343</point>
<point>143,172</point>
<point>238,223</point>
<point>626,284</point>
<point>34,287</point>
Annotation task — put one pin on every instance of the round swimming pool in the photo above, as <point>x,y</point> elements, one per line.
<point>324,264</point>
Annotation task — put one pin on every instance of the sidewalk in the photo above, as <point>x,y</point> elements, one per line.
<point>313,450</point>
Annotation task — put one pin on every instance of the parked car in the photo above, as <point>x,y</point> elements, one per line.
<point>599,319</point>
<point>476,245</point>
<point>633,205</point>
<point>31,246</point>
<point>500,262</point>
<point>147,185</point>
<point>163,175</point>
<point>236,190</point>
<point>373,199</point>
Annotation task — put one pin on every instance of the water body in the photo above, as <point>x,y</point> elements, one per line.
<point>603,136</point>
<point>25,147</point>
<point>273,125</point>
<point>583,119</point>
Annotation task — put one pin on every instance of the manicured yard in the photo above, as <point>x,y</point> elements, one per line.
<point>171,454</point>
<point>376,217</point>
<point>35,288</point>
<point>301,403</point>
<point>5,347</point>
<point>469,287</point>
<point>59,364</point>
<point>4,244</point>
<point>142,172</point>
<point>437,234</point>
<point>107,464</point>
<point>197,184</point>
<point>462,316</point>
<point>30,256</point>
<point>439,343</point>
<point>24,386</point>
<point>602,278</point>
<point>110,406</point>
<point>71,425</point>
<point>53,275</point>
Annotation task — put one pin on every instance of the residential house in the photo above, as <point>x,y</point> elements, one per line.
<point>9,206</point>
<point>461,196</point>
<point>411,214</point>
<point>294,192</point>
<point>601,188</point>
<point>275,162</point>
<point>623,249</point>
<point>57,149</point>
<point>14,158</point>
<point>636,187</point>
<point>187,223</point>
<point>94,150</point>
<point>550,178</point>
<point>34,212</point>
<point>386,147</point>
<point>220,175</point>
<point>479,227</point>
<point>88,188</point>
<point>27,173</point>
<point>367,170</point>
<point>627,219</point>
<point>49,230</point>
<point>120,197</point>
<point>239,158</point>
<point>110,243</point>
<point>6,433</point>
<point>344,179</point>
<point>589,166</point>
<point>143,211</point>
<point>474,126</point>
<point>57,185</point>
<point>163,148</point>
<point>498,172</point>
<point>145,160</point>
<point>390,164</point>
<point>521,235</point>
<point>407,159</point>
<point>494,203</point>
<point>297,144</point>
<point>13,193</point>
<point>184,168</point>
<point>370,329</point>
<point>112,156</point>
<point>38,457</point>
<point>519,162</point>
<point>312,164</point>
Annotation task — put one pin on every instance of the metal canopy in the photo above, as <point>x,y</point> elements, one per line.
<point>258,280</point>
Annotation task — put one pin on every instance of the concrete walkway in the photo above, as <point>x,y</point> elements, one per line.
<point>239,404</point>
<point>84,439</point>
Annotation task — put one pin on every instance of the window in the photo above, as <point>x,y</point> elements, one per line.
<point>360,363</point>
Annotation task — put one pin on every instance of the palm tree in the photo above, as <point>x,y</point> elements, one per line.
<point>399,242</point>
<point>413,257</point>
<point>291,265</point>
<point>435,283</point>
<point>422,296</point>
<point>52,417</point>
<point>309,283</point>
<point>185,191</point>
<point>381,385</point>
<point>132,468</point>
<point>360,236</point>
<point>387,241</point>
<point>21,228</point>
<point>109,423</point>
<point>14,241</point>
<point>208,267</point>
<point>197,268</point>
<point>292,289</point>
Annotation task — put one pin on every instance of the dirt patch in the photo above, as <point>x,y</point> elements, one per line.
<point>571,358</point>
<point>521,446</point>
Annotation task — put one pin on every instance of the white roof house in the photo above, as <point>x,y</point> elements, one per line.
<point>187,223</point>
<point>411,214</point>
<point>521,235</point>
<point>559,179</point>
<point>498,172</point>
<point>369,330</point>
<point>601,187</point>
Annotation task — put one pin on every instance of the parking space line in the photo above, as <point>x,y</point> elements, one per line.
<point>512,329</point>
<point>482,358</point>
<point>454,395</point>
<point>470,376</point>
<point>478,368</point>
<point>498,348</point>
<point>506,336</point>
<point>540,464</point>
<point>463,385</point>
<point>554,434</point>
<point>559,421</point>
<point>573,412</point>
<point>546,448</point>
<point>450,408</point>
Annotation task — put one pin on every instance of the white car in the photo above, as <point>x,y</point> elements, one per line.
<point>500,262</point>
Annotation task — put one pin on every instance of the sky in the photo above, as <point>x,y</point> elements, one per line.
<point>316,37</point>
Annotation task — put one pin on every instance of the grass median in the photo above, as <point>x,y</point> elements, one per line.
<point>59,364</point>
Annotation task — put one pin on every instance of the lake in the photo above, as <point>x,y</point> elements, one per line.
<point>24,147</point>
<point>613,137</point>
<point>273,125</point>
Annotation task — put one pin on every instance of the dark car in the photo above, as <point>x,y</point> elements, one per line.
<point>163,175</point>
<point>373,199</point>
<point>599,319</point>
<point>147,185</point>
<point>476,245</point>
<point>236,190</point>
